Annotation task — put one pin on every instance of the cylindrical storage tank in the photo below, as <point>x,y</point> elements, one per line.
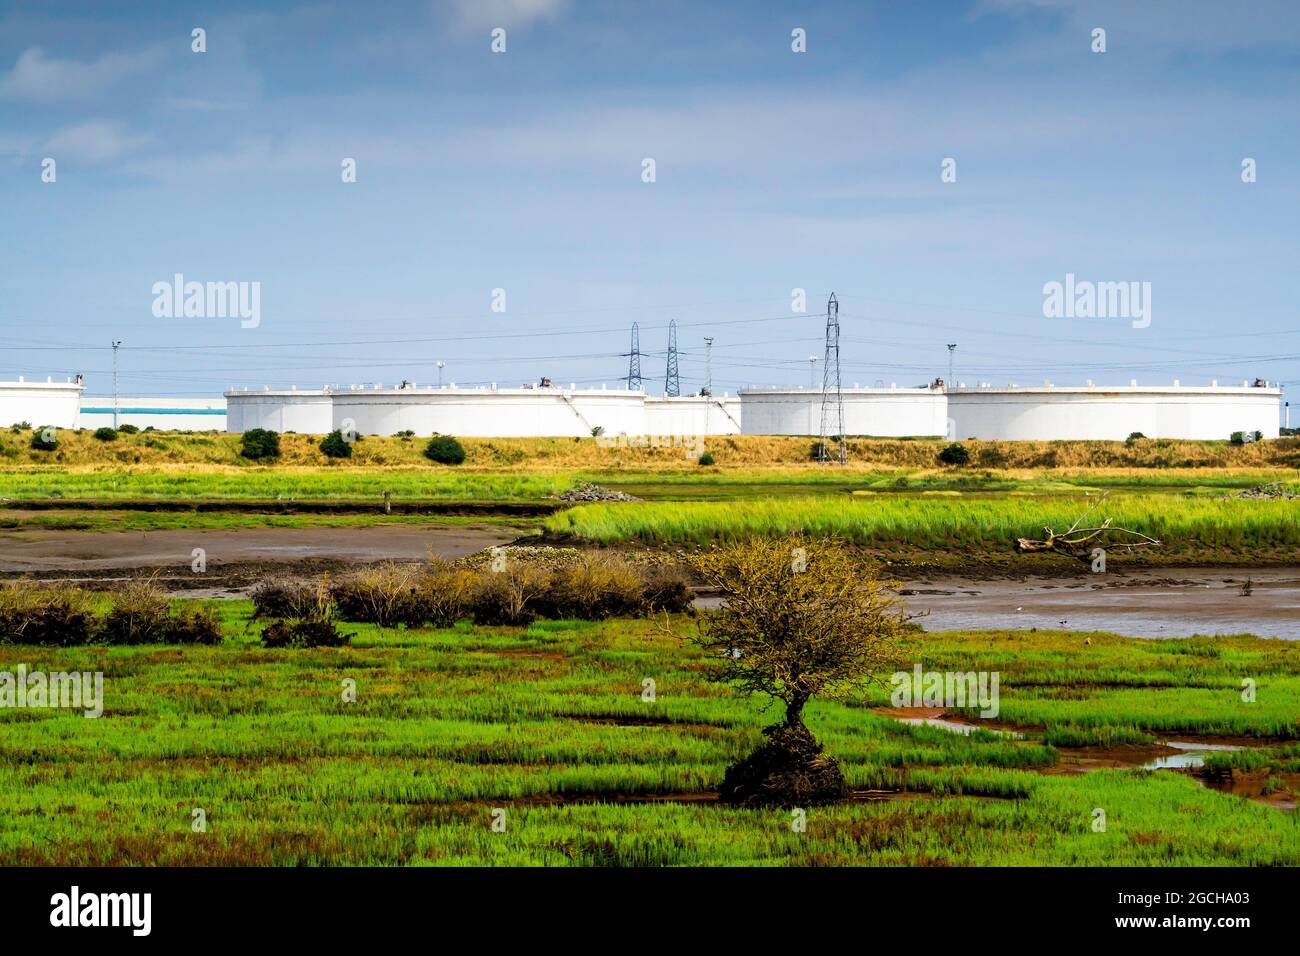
<point>488,412</point>
<point>304,412</point>
<point>40,404</point>
<point>692,415</point>
<point>1051,413</point>
<point>875,412</point>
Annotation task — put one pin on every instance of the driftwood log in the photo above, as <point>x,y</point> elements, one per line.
<point>1080,542</point>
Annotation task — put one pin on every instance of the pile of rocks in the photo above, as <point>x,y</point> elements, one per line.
<point>591,492</point>
<point>1272,490</point>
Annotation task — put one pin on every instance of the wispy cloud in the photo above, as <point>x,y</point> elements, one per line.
<point>94,142</point>
<point>516,14</point>
<point>41,78</point>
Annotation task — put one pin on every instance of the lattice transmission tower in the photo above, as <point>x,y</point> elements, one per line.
<point>634,361</point>
<point>672,380</point>
<point>832,397</point>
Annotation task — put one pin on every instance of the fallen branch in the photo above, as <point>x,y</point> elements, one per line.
<point>1081,542</point>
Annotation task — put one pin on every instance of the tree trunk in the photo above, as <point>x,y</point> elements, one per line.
<point>794,710</point>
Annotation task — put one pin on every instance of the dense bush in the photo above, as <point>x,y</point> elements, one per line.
<point>304,632</point>
<point>45,439</point>
<point>106,434</point>
<point>194,626</point>
<point>274,599</point>
<point>1134,438</point>
<point>128,429</point>
<point>259,443</point>
<point>65,616</point>
<point>139,615</point>
<point>334,445</point>
<point>667,588</point>
<point>57,615</point>
<point>444,594</point>
<point>385,594</point>
<point>445,450</point>
<point>589,587</point>
<point>954,454</point>
<point>706,458</point>
<point>508,598</point>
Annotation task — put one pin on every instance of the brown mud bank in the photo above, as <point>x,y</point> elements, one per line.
<point>233,557</point>
<point>1137,602</point>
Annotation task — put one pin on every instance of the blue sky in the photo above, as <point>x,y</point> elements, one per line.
<point>522,170</point>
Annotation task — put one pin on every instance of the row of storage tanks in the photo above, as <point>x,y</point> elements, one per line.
<point>1014,412</point>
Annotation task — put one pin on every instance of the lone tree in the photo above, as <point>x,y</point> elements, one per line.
<point>801,620</point>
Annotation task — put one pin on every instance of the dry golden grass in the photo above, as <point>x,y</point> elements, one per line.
<point>185,449</point>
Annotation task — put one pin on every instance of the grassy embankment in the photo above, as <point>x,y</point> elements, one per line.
<point>146,471</point>
<point>548,722</point>
<point>1193,528</point>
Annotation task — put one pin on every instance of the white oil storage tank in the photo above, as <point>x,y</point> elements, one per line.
<point>488,411</point>
<point>878,412</point>
<point>1110,412</point>
<point>304,412</point>
<point>40,404</point>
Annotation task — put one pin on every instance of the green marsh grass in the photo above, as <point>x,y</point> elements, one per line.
<point>548,722</point>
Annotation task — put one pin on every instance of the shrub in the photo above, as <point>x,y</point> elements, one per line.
<point>706,458</point>
<point>45,439</point>
<point>1237,438</point>
<point>1134,438</point>
<point>1257,436</point>
<point>58,615</point>
<point>445,450</point>
<point>283,599</point>
<point>128,429</point>
<point>314,627</point>
<point>591,588</point>
<point>334,445</point>
<point>405,433</point>
<point>954,454</point>
<point>106,434</point>
<point>444,594</point>
<point>139,615</point>
<point>508,598</point>
<point>383,595</point>
<point>194,626</point>
<point>666,588</point>
<point>303,632</point>
<point>258,443</point>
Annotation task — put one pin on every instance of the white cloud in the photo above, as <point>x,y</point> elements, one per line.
<point>41,78</point>
<point>93,142</point>
<point>516,14</point>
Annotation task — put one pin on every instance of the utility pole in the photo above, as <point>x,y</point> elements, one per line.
<point>634,361</point>
<point>708,382</point>
<point>708,365</point>
<point>440,364</point>
<point>115,402</point>
<point>672,380</point>
<point>952,347</point>
<point>832,396</point>
<point>812,371</point>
